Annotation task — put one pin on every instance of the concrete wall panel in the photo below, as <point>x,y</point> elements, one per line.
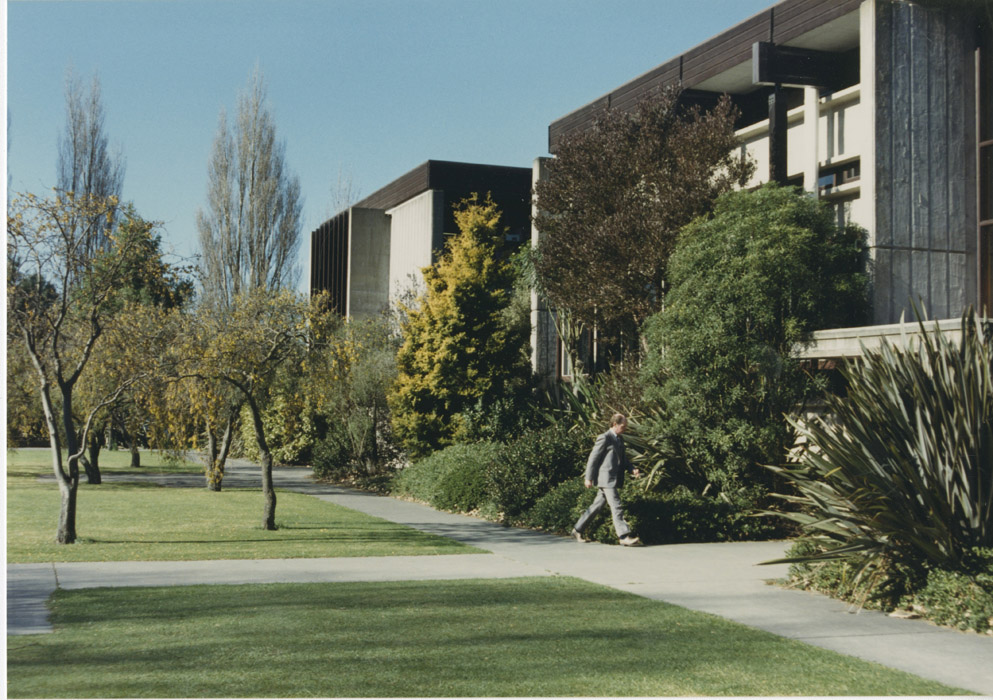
<point>416,235</point>
<point>368,262</point>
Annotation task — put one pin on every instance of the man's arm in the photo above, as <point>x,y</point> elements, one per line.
<point>596,458</point>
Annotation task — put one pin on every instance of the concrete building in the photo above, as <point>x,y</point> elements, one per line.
<point>882,108</point>
<point>373,252</point>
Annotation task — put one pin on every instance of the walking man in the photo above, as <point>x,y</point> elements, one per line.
<point>605,468</point>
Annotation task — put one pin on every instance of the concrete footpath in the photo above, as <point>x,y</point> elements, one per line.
<point>724,579</point>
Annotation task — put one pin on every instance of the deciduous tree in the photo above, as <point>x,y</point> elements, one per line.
<point>250,230</point>
<point>616,197</point>
<point>243,346</point>
<point>60,298</point>
<point>86,166</point>
<point>249,236</point>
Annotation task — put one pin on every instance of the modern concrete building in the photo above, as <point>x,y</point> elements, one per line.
<point>373,252</point>
<point>884,109</point>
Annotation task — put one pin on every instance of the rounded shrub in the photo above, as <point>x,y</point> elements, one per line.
<point>532,465</point>
<point>559,509</point>
<point>452,479</point>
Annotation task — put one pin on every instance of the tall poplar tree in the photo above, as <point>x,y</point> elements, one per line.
<point>249,232</point>
<point>87,168</point>
<point>85,164</point>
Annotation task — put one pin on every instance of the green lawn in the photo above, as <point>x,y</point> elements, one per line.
<point>519,637</point>
<point>141,522</point>
<point>38,462</point>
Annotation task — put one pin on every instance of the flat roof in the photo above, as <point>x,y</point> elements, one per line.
<point>723,63</point>
<point>445,175</point>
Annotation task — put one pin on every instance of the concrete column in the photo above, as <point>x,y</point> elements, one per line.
<point>811,136</point>
<point>543,334</point>
<point>867,97</point>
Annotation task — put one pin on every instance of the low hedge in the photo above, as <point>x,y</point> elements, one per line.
<point>534,464</point>
<point>657,518</point>
<point>961,599</point>
<point>454,478</point>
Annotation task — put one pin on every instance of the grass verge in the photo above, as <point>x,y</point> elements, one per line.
<point>142,522</point>
<point>34,462</point>
<point>513,637</point>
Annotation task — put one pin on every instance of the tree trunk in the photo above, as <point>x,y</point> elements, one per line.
<point>135,455</point>
<point>92,471</point>
<point>217,457</point>
<point>68,488</point>
<point>96,442</point>
<point>268,492</point>
<point>68,484</point>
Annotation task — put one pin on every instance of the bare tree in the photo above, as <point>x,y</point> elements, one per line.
<point>343,194</point>
<point>85,165</point>
<point>250,230</point>
<point>86,168</point>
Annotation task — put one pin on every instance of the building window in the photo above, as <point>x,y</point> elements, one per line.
<point>984,96</point>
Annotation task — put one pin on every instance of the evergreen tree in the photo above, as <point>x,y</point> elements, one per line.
<point>462,361</point>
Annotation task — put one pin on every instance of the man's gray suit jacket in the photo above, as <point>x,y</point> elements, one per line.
<point>607,461</point>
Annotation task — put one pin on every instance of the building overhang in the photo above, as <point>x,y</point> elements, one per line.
<point>723,64</point>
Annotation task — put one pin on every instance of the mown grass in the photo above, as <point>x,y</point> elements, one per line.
<point>142,522</point>
<point>517,637</point>
<point>34,462</point>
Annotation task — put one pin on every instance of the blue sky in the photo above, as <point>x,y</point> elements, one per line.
<point>367,88</point>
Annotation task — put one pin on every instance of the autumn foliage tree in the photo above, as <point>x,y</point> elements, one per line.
<point>616,197</point>
<point>62,291</point>
<point>460,357</point>
<point>148,284</point>
<point>249,234</point>
<point>242,346</point>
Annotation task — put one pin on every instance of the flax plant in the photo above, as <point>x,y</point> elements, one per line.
<point>899,481</point>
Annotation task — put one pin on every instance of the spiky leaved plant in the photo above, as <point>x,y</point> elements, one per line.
<point>900,479</point>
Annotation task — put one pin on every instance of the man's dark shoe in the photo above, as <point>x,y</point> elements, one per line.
<point>630,541</point>
<point>578,536</point>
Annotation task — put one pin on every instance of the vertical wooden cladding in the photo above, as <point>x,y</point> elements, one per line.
<point>329,260</point>
<point>984,127</point>
<point>781,23</point>
<point>925,232</point>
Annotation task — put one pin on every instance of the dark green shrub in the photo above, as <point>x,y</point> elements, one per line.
<point>532,465</point>
<point>957,599</point>
<point>332,456</point>
<point>462,487</point>
<point>901,480</point>
<point>670,518</point>
<point>748,286</point>
<point>451,479</point>
<point>961,599</point>
<point>559,509</point>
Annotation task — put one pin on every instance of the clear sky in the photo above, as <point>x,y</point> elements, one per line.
<point>366,88</point>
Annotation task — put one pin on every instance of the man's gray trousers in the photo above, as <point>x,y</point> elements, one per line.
<point>609,496</point>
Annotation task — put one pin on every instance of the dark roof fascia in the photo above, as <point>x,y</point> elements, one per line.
<point>445,174</point>
<point>781,23</point>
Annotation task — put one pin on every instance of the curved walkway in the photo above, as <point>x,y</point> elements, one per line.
<point>724,579</point>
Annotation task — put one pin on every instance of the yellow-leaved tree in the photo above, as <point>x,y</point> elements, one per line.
<point>242,346</point>
<point>462,360</point>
